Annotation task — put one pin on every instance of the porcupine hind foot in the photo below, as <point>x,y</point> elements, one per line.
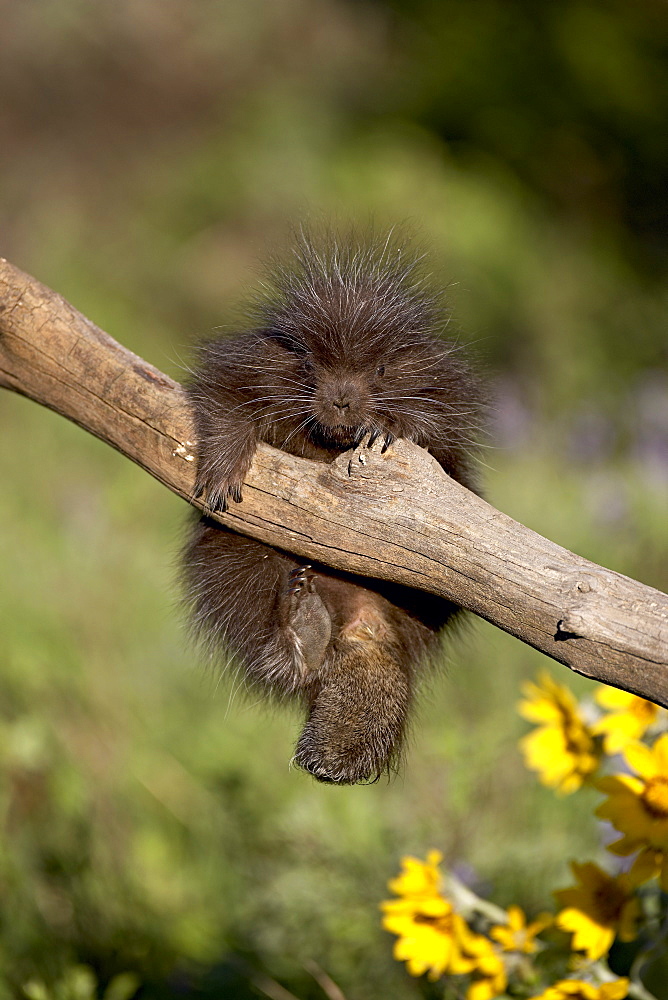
<point>307,619</point>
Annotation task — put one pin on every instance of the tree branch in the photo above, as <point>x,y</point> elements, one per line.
<point>395,516</point>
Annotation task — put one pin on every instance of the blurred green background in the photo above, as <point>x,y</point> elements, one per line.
<point>150,152</point>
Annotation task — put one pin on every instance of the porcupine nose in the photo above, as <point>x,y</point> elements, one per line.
<point>343,399</point>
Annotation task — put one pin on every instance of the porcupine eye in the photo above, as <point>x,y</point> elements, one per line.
<point>380,370</point>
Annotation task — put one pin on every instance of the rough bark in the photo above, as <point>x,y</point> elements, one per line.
<point>395,516</point>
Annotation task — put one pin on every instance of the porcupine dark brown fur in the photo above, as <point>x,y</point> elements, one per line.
<point>346,343</point>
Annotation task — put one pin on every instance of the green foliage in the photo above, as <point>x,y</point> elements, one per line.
<point>79,983</point>
<point>150,152</point>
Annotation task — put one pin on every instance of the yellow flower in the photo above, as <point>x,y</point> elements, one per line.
<point>516,935</point>
<point>432,937</point>
<point>418,878</point>
<point>576,989</point>
<point>597,910</point>
<point>562,749</point>
<point>489,974</point>
<point>638,806</point>
<point>628,719</point>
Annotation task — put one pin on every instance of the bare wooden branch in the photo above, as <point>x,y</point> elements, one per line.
<point>395,516</point>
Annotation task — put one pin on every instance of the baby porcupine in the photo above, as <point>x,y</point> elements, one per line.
<point>346,343</point>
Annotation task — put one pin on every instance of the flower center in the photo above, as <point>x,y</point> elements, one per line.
<point>578,740</point>
<point>580,744</point>
<point>645,711</point>
<point>609,901</point>
<point>443,924</point>
<point>655,797</point>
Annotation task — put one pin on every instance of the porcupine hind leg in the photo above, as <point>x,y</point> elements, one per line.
<point>358,700</point>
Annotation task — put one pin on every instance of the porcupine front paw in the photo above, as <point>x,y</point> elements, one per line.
<point>307,617</point>
<point>218,491</point>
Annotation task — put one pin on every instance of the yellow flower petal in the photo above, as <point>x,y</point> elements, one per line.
<point>417,878</point>
<point>660,750</point>
<point>588,936</point>
<point>578,989</point>
<point>630,717</point>
<point>597,910</point>
<point>546,701</point>
<point>486,989</point>
<point>646,866</point>
<point>618,731</point>
<point>638,806</point>
<point>425,949</point>
<point>614,991</point>
<point>625,846</point>
<point>616,782</point>
<point>562,750</point>
<point>613,698</point>
<point>517,935</point>
<point>642,760</point>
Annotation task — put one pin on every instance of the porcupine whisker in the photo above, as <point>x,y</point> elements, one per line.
<point>281,378</point>
<point>449,408</point>
<point>272,385</point>
<point>272,404</point>
<point>279,396</point>
<point>425,420</point>
<point>284,414</point>
<point>297,429</point>
<point>442,404</point>
<point>283,399</point>
<point>262,399</point>
<point>276,375</point>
